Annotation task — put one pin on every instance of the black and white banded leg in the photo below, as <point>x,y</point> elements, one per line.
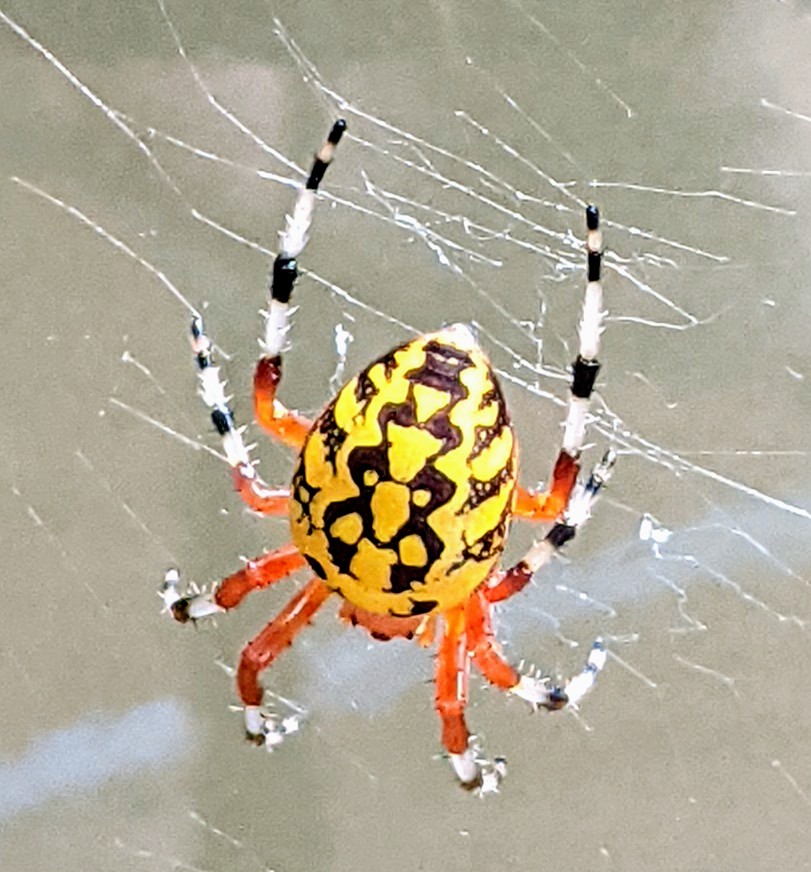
<point>531,688</point>
<point>269,412</point>
<point>546,506</point>
<point>195,604</point>
<point>291,243</point>
<point>586,366</point>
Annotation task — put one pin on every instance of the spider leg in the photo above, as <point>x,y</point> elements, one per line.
<point>532,505</point>
<point>482,645</point>
<point>254,492</point>
<point>386,627</point>
<point>263,649</point>
<point>287,426</point>
<point>229,593</point>
<point>499,672</point>
<point>481,642</point>
<point>451,694</point>
<point>577,512</point>
<point>547,506</point>
<point>452,671</point>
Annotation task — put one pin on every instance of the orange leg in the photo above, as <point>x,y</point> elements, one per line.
<point>451,677</point>
<point>539,692</point>
<point>274,418</point>
<point>578,510</point>
<point>249,485</point>
<point>286,426</point>
<point>510,582</point>
<point>229,593</point>
<point>256,495</point>
<point>494,667</point>
<point>533,506</point>
<point>259,573</point>
<point>482,644</point>
<point>261,651</point>
<point>386,627</point>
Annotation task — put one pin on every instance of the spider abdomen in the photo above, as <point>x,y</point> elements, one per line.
<point>402,494</point>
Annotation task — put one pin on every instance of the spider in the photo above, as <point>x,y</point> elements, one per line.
<point>402,494</point>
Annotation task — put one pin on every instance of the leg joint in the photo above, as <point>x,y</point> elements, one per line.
<point>560,534</point>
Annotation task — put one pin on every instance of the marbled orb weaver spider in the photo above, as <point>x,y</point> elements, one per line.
<point>403,491</point>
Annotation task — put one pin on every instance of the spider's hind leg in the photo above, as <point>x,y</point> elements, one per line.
<point>451,687</point>
<point>585,495</point>
<point>261,727</point>
<point>481,642</point>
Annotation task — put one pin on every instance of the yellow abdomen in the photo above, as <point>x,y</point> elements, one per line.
<point>402,494</point>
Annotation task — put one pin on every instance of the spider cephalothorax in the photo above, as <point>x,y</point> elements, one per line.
<point>400,502</point>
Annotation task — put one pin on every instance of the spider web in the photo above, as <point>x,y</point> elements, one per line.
<point>150,155</point>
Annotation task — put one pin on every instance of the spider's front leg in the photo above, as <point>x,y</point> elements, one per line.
<point>289,427</point>
<point>261,727</point>
<point>548,506</point>
<point>254,492</point>
<point>468,634</point>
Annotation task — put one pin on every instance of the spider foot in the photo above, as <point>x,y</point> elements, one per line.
<point>583,682</point>
<point>264,729</point>
<point>476,773</point>
<point>540,693</point>
<point>193,605</point>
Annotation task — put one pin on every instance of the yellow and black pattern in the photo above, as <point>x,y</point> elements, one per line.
<point>402,494</point>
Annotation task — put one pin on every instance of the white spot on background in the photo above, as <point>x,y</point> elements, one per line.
<point>93,751</point>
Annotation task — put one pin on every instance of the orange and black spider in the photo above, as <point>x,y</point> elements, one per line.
<point>403,491</point>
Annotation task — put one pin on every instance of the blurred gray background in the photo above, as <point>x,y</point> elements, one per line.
<point>134,175</point>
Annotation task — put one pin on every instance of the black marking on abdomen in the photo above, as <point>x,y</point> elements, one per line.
<point>364,388</point>
<point>316,567</point>
<point>483,490</point>
<point>441,369</point>
<point>418,607</point>
<point>422,607</point>
<point>485,435</point>
<point>441,489</point>
<point>300,488</point>
<point>438,485</point>
<point>334,436</point>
